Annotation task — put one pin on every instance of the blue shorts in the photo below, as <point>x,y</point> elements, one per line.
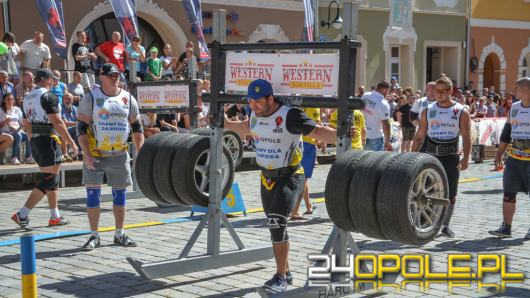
<point>309,158</point>
<point>375,144</point>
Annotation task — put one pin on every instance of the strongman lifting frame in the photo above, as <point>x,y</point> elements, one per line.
<point>344,102</point>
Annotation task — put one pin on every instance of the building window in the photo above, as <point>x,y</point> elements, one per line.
<point>394,62</point>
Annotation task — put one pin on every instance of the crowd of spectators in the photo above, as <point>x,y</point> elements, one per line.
<point>18,66</point>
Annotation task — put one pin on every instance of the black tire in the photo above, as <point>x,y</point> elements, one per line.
<point>162,168</point>
<point>363,192</point>
<point>193,152</point>
<point>338,188</point>
<point>231,140</point>
<point>143,168</point>
<point>395,189</point>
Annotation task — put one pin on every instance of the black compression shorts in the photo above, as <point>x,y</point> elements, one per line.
<point>450,164</point>
<point>278,195</point>
<point>45,151</point>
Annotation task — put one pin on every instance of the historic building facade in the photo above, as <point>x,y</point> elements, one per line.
<point>500,43</point>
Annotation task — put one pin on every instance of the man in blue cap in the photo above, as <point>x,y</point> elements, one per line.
<point>277,131</point>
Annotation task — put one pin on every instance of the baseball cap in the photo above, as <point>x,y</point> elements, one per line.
<point>154,49</point>
<point>393,78</point>
<point>43,74</point>
<point>109,69</point>
<point>259,88</point>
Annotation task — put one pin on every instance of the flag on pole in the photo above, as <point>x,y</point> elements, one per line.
<point>51,12</point>
<point>125,11</point>
<point>194,12</point>
<point>309,20</point>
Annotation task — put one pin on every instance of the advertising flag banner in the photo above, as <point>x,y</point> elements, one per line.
<point>194,13</point>
<point>125,11</point>
<point>51,12</point>
<point>309,20</point>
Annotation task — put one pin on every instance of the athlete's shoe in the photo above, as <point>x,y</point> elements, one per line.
<point>289,275</point>
<point>277,284</point>
<point>92,243</point>
<point>527,235</point>
<point>124,241</point>
<point>447,232</point>
<point>504,231</point>
<point>22,222</point>
<point>59,221</point>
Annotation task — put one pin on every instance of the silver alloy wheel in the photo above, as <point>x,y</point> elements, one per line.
<point>232,144</point>
<point>201,172</point>
<point>424,210</point>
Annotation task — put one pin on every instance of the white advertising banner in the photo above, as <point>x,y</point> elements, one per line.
<point>163,96</point>
<point>307,74</point>
<point>488,131</point>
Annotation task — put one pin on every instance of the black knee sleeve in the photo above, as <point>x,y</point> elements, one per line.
<point>509,197</point>
<point>278,227</point>
<point>49,182</point>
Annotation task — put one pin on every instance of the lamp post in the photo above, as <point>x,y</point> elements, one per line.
<point>337,22</point>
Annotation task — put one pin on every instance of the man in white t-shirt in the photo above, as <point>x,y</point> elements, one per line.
<point>422,103</point>
<point>376,115</point>
<point>36,54</point>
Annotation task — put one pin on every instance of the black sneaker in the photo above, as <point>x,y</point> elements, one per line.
<point>277,284</point>
<point>289,275</point>
<point>124,241</point>
<point>504,231</point>
<point>92,243</point>
<point>22,222</point>
<point>527,237</point>
<point>447,232</point>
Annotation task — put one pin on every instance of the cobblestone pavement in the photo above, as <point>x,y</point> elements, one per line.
<point>65,270</point>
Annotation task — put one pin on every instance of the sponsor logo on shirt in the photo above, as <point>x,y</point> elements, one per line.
<point>279,121</point>
<point>103,114</point>
<point>253,122</point>
<point>514,112</point>
<point>432,113</point>
<point>100,102</point>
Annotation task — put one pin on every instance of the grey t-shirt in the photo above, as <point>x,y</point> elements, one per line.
<point>86,105</point>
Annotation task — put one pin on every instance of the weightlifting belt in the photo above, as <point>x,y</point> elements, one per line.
<point>440,148</point>
<point>279,172</point>
<point>42,128</point>
<point>521,144</point>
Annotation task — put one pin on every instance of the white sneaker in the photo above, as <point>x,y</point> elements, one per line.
<point>30,160</point>
<point>15,161</point>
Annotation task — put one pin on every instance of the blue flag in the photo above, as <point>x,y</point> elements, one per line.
<point>51,12</point>
<point>194,12</point>
<point>125,11</point>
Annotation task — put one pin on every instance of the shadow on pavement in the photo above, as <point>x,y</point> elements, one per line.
<point>511,292</point>
<point>236,293</point>
<point>262,222</point>
<point>483,192</point>
<point>122,284</point>
<point>477,245</point>
<point>15,258</point>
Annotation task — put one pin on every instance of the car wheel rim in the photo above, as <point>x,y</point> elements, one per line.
<point>201,172</point>
<point>232,144</point>
<point>424,213</point>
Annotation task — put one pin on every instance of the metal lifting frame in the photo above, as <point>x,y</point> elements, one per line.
<point>338,240</point>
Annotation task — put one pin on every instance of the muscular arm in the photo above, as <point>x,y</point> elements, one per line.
<point>420,134</point>
<point>59,125</point>
<point>324,133</point>
<point>82,138</point>
<point>386,131</point>
<point>465,130</point>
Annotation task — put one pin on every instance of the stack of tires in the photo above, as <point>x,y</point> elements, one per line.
<point>173,169</point>
<point>231,141</point>
<point>386,195</point>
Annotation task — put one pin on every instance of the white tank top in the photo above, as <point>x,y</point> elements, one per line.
<point>110,123</point>
<point>33,109</point>
<point>520,121</point>
<point>444,123</point>
<point>275,146</point>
